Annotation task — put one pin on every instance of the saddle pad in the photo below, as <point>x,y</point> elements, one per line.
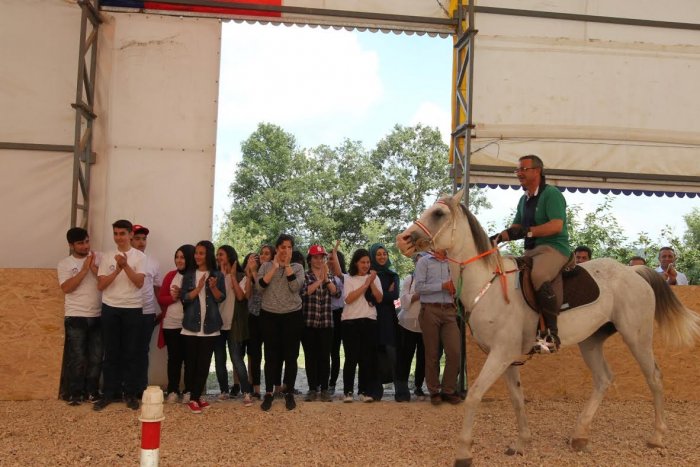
<point>579,289</point>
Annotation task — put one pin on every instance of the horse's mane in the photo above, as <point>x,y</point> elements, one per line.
<point>481,239</point>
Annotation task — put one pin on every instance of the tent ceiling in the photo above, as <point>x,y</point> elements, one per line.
<point>604,92</point>
<point>407,16</point>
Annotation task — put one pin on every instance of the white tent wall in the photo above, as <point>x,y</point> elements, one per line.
<point>157,91</point>
<point>37,84</point>
<point>588,96</point>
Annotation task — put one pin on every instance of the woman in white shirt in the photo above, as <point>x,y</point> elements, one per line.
<point>362,291</point>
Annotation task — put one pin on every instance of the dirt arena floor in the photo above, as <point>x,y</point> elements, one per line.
<point>325,434</point>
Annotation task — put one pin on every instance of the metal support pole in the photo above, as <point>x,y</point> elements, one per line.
<point>84,112</point>
<point>462,133</point>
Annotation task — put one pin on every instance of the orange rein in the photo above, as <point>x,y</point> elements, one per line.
<point>501,274</point>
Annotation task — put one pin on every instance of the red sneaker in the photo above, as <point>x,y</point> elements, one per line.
<point>203,404</point>
<point>194,407</point>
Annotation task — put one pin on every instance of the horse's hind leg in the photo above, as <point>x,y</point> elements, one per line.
<point>493,368</point>
<point>592,352</point>
<point>643,352</point>
<point>515,389</point>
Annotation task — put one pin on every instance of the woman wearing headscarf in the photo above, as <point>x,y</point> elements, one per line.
<point>171,322</point>
<point>387,320</point>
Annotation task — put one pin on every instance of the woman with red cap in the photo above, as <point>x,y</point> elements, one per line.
<point>317,337</point>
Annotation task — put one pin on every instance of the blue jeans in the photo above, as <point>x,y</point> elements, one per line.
<point>121,335</point>
<point>236,350</point>
<point>83,354</point>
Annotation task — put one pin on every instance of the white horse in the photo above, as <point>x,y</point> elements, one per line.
<point>631,298</point>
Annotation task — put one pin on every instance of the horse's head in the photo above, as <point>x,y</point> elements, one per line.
<point>434,229</point>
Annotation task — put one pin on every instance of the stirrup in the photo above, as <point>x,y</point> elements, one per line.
<point>545,344</point>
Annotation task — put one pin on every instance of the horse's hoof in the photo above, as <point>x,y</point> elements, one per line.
<point>579,444</point>
<point>463,463</point>
<point>655,445</point>
<point>511,452</point>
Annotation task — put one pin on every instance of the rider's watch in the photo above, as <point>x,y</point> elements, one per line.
<point>529,233</point>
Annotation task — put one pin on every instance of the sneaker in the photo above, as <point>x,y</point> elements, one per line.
<point>435,399</point>
<point>132,402</point>
<point>311,396</point>
<point>267,402</point>
<point>289,401</point>
<point>75,401</point>
<point>101,404</point>
<point>452,398</point>
<point>172,398</point>
<point>331,390</point>
<point>347,398</point>
<point>235,390</point>
<point>186,398</point>
<point>247,400</point>
<point>203,404</point>
<point>224,396</point>
<point>366,398</point>
<point>420,395</point>
<point>325,397</point>
<point>194,407</point>
<point>95,397</point>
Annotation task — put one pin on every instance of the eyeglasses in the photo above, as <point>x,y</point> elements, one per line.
<point>524,169</point>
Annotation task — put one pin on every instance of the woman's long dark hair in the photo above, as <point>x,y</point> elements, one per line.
<point>188,253</point>
<point>231,256</point>
<point>357,256</point>
<point>210,258</point>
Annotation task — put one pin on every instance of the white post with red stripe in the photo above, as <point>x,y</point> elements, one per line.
<point>151,416</point>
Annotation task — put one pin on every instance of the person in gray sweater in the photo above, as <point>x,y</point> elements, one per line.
<point>281,320</point>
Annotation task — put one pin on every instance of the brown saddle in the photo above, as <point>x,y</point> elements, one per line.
<point>574,287</point>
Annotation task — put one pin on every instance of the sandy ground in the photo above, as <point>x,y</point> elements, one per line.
<point>380,433</point>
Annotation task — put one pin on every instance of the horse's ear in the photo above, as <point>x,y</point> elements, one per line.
<point>457,197</point>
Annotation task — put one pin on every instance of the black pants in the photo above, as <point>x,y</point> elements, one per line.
<point>198,351</point>
<point>255,344</point>
<point>317,352</point>
<point>220,359</point>
<point>335,346</point>
<point>83,358</point>
<point>282,335</point>
<point>148,322</point>
<point>360,345</point>
<point>121,337</point>
<point>410,343</point>
<point>175,343</point>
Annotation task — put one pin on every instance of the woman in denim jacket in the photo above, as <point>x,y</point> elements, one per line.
<point>202,290</point>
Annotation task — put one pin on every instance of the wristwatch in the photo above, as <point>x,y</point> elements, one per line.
<point>529,233</point>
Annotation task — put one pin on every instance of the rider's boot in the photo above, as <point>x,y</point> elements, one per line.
<point>547,302</point>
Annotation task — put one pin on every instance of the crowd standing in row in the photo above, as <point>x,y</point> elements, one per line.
<point>211,304</point>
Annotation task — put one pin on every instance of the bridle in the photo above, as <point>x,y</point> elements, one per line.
<point>499,272</point>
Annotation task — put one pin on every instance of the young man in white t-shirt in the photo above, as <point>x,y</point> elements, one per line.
<point>77,276</point>
<point>120,278</point>
<point>149,292</point>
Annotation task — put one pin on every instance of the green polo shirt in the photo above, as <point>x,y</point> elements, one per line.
<point>550,205</point>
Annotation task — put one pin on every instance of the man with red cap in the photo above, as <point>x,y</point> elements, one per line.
<point>151,286</point>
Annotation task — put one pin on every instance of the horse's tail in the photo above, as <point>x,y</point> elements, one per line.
<point>679,326</point>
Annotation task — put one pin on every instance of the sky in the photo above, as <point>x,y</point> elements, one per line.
<point>325,85</point>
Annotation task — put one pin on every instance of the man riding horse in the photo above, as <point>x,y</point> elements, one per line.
<point>541,221</point>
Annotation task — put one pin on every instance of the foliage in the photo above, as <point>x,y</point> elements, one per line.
<point>325,193</point>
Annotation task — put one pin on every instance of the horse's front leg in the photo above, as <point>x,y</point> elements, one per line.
<point>493,368</point>
<point>515,389</point>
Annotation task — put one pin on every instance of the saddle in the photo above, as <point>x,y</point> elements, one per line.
<point>573,287</point>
